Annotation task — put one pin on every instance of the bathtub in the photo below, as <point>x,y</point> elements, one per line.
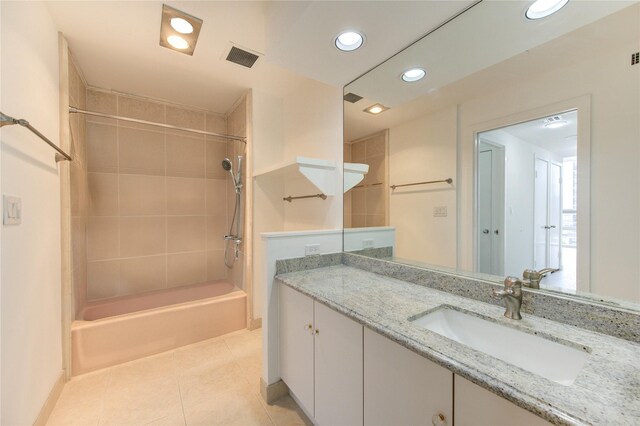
<point>126,328</point>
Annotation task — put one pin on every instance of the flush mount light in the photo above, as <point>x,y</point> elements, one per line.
<point>554,122</point>
<point>375,109</point>
<point>413,74</point>
<point>178,30</point>
<point>348,41</point>
<point>542,8</point>
<point>181,25</point>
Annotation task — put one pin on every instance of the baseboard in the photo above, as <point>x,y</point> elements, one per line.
<point>48,405</point>
<point>255,323</point>
<point>273,392</point>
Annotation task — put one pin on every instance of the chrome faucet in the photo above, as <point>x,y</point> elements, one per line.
<point>532,277</point>
<point>512,295</point>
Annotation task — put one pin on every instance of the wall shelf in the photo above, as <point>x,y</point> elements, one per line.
<point>354,174</point>
<point>322,174</point>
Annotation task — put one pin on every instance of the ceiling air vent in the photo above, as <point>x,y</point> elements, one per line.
<point>352,97</point>
<point>242,57</point>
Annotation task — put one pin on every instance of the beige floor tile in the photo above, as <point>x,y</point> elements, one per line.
<point>285,412</point>
<point>141,402</point>
<point>210,381</point>
<point>81,400</point>
<point>243,344</point>
<point>202,354</point>
<point>176,419</point>
<point>143,370</point>
<point>234,407</point>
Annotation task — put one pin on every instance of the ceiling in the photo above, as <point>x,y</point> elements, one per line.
<point>116,44</point>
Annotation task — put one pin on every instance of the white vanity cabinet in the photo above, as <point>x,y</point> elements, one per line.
<point>402,387</point>
<point>321,359</point>
<point>475,406</point>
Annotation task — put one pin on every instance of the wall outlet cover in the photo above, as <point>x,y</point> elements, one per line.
<point>367,243</point>
<point>440,211</point>
<point>311,249</point>
<point>12,210</point>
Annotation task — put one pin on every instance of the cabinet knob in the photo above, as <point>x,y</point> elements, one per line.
<point>308,326</point>
<point>317,332</point>
<point>439,420</point>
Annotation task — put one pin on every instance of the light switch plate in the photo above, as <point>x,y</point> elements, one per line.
<point>368,243</point>
<point>440,211</point>
<point>311,249</point>
<point>12,210</point>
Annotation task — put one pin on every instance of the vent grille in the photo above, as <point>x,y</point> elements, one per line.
<point>352,97</point>
<point>242,57</point>
<point>635,58</point>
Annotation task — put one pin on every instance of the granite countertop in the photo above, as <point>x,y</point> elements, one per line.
<point>606,391</point>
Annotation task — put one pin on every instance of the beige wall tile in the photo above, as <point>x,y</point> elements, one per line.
<point>141,109</point>
<point>103,191</point>
<point>74,83</point>
<point>141,151</point>
<point>185,196</point>
<point>142,274</point>
<point>79,240</point>
<point>358,220</point>
<point>142,195</point>
<point>103,238</point>
<point>103,279</point>
<point>216,230</point>
<point>217,197</point>
<point>216,123</point>
<point>102,148</point>
<point>375,201</point>
<point>78,181</point>
<point>358,205</point>
<point>376,146</point>
<point>104,102</point>
<point>376,170</point>
<point>185,233</point>
<point>215,265</point>
<point>185,156</point>
<point>346,153</point>
<point>358,152</point>
<point>183,117</point>
<point>375,220</point>
<point>186,268</point>
<point>216,152</point>
<point>142,236</point>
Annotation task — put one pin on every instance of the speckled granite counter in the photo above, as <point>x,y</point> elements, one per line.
<point>606,392</point>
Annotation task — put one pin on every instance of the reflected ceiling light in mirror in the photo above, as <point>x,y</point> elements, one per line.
<point>375,109</point>
<point>348,41</point>
<point>178,42</point>
<point>542,8</point>
<point>181,25</point>
<point>554,122</point>
<point>413,74</point>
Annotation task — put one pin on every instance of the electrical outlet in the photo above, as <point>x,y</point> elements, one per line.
<point>368,243</point>
<point>440,211</point>
<point>311,249</point>
<point>12,210</point>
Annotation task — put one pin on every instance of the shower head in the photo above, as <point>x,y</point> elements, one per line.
<point>226,164</point>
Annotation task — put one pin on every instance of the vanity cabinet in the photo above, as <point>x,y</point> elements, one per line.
<point>402,387</point>
<point>321,359</point>
<point>477,406</point>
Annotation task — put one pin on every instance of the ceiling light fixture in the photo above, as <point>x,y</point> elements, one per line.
<point>375,109</point>
<point>413,74</point>
<point>542,8</point>
<point>179,31</point>
<point>181,25</point>
<point>348,41</point>
<point>554,122</point>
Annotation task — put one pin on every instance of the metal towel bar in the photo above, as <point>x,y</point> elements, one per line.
<point>6,120</point>
<point>290,198</point>
<point>448,180</point>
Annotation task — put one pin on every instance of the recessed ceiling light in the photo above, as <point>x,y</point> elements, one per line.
<point>178,42</point>
<point>414,74</point>
<point>542,8</point>
<point>181,25</point>
<point>554,122</point>
<point>375,109</point>
<point>179,31</point>
<point>349,40</point>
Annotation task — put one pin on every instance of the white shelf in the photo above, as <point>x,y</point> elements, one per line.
<point>353,174</point>
<point>320,173</point>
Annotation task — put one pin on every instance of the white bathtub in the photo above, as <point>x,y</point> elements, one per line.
<point>127,328</point>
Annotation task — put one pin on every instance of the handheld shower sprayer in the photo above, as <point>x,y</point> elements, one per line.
<point>237,178</point>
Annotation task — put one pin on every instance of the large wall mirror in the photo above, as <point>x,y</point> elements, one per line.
<point>498,144</point>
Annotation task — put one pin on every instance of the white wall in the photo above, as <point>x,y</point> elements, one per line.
<point>613,86</point>
<point>422,150</point>
<point>31,258</point>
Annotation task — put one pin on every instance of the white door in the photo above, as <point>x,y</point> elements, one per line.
<point>338,369</point>
<point>541,213</point>
<point>555,216</point>
<point>296,344</point>
<point>485,206</point>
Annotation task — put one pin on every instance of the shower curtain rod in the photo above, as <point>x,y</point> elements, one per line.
<point>152,123</point>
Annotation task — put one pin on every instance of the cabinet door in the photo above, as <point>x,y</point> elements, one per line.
<point>475,406</point>
<point>338,368</point>
<point>296,344</point>
<point>401,387</point>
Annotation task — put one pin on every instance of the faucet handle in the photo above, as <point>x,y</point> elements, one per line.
<point>512,282</point>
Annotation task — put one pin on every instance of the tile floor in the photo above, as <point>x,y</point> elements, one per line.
<point>215,382</point>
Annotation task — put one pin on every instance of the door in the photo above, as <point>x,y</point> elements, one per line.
<point>338,368</point>
<point>541,213</point>
<point>296,344</point>
<point>555,216</point>
<point>491,208</point>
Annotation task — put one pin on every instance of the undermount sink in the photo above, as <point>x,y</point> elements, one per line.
<point>554,361</point>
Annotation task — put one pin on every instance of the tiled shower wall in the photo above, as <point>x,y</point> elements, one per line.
<point>79,189</point>
<point>366,205</point>
<point>158,198</point>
